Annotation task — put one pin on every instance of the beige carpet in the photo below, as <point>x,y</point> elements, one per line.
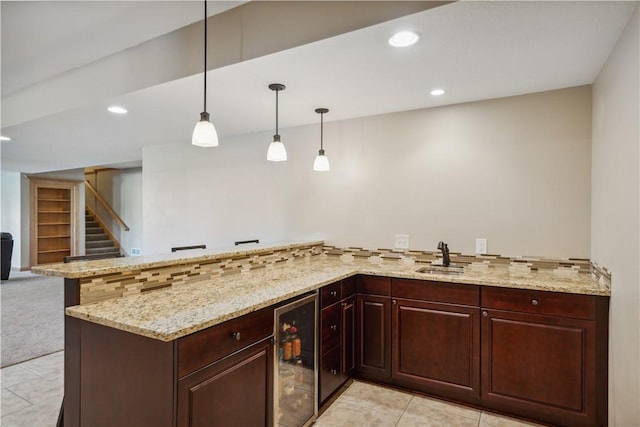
<point>31,317</point>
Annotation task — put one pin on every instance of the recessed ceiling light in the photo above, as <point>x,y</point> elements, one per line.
<point>117,110</point>
<point>403,39</point>
<point>437,92</point>
<point>4,138</point>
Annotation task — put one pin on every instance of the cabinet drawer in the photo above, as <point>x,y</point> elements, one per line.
<point>540,302</point>
<point>207,346</point>
<point>330,373</point>
<point>331,326</point>
<point>374,285</point>
<point>428,290</point>
<point>330,294</point>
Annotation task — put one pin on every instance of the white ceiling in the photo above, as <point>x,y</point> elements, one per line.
<point>474,50</point>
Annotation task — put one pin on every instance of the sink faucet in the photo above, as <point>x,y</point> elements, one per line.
<point>445,253</point>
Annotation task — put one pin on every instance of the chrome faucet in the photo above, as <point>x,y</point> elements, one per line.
<point>446,260</point>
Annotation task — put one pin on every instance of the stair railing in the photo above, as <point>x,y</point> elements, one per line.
<point>105,205</point>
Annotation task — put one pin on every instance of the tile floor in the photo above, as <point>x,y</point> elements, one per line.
<point>32,394</point>
<point>364,404</point>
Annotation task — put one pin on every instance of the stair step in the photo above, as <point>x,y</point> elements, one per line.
<point>99,244</point>
<point>94,237</point>
<point>91,224</point>
<point>95,251</point>
<point>94,230</point>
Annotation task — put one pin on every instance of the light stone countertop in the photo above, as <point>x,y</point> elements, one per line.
<point>170,313</point>
<point>81,269</point>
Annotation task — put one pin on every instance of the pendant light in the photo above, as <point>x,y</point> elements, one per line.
<point>321,164</point>
<point>276,152</point>
<point>204,134</point>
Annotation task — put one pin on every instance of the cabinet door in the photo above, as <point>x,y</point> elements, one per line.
<point>374,337</point>
<point>436,348</point>
<point>538,366</point>
<point>348,335</point>
<point>235,391</point>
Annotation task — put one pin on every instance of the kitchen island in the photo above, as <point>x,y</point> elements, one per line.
<point>129,320</point>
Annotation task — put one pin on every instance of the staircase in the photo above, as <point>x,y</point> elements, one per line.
<point>97,242</point>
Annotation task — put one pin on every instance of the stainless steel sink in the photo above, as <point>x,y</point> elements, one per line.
<point>441,269</point>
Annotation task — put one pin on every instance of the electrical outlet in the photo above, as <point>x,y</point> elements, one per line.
<point>481,246</point>
<point>402,241</point>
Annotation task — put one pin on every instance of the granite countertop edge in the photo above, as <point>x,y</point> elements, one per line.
<point>82,269</point>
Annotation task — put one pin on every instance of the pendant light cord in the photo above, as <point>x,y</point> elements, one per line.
<point>277,112</point>
<point>321,129</point>
<point>205,55</point>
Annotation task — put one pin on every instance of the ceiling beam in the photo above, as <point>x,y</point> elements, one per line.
<point>249,31</point>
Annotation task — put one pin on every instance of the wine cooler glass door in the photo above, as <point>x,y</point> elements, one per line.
<point>296,365</point>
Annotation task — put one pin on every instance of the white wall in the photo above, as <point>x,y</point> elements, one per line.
<point>512,170</point>
<point>193,195</point>
<point>10,182</point>
<point>515,171</point>
<point>615,228</point>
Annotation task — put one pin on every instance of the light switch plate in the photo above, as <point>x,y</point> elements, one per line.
<point>402,241</point>
<point>135,251</point>
<point>481,246</point>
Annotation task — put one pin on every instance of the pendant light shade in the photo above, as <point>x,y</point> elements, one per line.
<point>204,134</point>
<point>321,164</point>
<point>276,151</point>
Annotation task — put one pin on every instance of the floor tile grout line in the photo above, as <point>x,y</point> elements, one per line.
<point>397,424</point>
<point>19,409</point>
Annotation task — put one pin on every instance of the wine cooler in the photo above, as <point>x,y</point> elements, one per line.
<point>296,371</point>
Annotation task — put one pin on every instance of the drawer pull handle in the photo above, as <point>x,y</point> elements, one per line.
<point>334,371</point>
<point>334,327</point>
<point>485,314</point>
<point>534,302</point>
<point>334,293</point>
<point>236,336</point>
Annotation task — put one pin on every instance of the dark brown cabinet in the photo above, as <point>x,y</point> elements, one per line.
<point>535,354</point>
<point>540,356</point>
<point>234,391</point>
<point>337,319</point>
<point>436,339</point>
<point>373,328</point>
<point>222,375</point>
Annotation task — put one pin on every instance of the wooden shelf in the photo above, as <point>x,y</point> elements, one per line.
<point>53,219</point>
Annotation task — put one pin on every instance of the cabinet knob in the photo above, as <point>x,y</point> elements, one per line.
<point>394,302</point>
<point>236,336</point>
<point>334,327</point>
<point>485,314</point>
<point>534,302</point>
<point>334,371</point>
<point>344,304</point>
<point>334,293</point>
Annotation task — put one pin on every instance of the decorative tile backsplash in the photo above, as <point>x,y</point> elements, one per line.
<point>429,257</point>
<point>116,285</point>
